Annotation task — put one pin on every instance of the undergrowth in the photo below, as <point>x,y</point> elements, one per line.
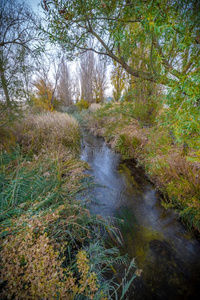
<point>52,247</point>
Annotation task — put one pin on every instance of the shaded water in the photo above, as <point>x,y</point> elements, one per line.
<point>166,252</point>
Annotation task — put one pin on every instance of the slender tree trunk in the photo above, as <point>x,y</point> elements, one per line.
<point>4,84</point>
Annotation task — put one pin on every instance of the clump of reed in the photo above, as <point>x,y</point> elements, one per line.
<point>48,131</point>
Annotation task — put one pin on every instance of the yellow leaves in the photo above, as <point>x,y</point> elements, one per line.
<point>88,281</point>
<point>44,95</point>
<point>32,265</point>
<point>32,269</point>
<point>82,262</point>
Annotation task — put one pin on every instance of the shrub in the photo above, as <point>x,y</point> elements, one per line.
<point>33,269</point>
<point>82,104</point>
<point>70,109</point>
<point>127,145</point>
<point>146,112</point>
<point>94,107</point>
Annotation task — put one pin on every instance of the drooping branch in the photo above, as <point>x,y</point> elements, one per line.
<point>121,61</point>
<point>164,61</point>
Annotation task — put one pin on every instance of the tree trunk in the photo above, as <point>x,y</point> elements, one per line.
<point>4,84</point>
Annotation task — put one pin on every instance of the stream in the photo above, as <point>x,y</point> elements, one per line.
<point>163,248</point>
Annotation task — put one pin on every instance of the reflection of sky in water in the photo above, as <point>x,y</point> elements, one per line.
<point>127,194</point>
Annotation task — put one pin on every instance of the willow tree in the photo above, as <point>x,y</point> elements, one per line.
<point>170,27</point>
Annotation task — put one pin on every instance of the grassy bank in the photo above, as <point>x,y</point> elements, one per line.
<point>171,166</point>
<point>52,247</point>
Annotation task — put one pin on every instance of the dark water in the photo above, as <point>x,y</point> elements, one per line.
<point>166,252</point>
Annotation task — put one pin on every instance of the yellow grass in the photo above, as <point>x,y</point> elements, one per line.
<point>48,132</point>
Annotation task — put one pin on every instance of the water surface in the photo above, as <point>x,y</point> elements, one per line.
<point>166,252</point>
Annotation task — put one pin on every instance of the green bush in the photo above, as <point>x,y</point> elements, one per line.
<point>146,113</point>
<point>82,104</point>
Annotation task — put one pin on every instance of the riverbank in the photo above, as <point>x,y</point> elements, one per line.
<point>173,169</point>
<point>167,255</point>
<point>50,242</point>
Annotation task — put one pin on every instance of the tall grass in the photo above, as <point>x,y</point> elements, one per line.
<point>48,132</point>
<point>52,247</point>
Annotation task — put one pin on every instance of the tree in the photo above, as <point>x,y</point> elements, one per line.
<point>42,99</point>
<point>100,80</point>
<point>46,83</point>
<point>18,43</point>
<point>169,31</point>
<point>86,75</point>
<point>118,81</point>
<point>164,24</point>
<point>65,89</point>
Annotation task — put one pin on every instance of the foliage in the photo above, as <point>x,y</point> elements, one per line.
<point>42,100</point>
<point>94,107</point>
<point>182,116</point>
<point>100,80</point>
<point>164,39</point>
<point>146,113</point>
<point>71,109</point>
<point>118,82</point>
<point>82,104</point>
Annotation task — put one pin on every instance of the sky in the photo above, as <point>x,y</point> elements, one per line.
<point>35,4</point>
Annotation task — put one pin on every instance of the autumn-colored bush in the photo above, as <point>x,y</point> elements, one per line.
<point>50,241</point>
<point>82,104</point>
<point>34,269</point>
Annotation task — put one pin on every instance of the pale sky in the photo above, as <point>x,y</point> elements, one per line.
<point>35,4</point>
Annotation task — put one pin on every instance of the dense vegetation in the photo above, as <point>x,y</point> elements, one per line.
<point>51,244</point>
<point>156,43</point>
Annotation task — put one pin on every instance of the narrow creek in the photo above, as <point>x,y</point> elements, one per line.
<point>166,252</point>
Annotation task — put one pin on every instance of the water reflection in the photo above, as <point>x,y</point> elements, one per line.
<point>164,249</point>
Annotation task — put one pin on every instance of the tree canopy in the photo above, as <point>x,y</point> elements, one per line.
<point>166,32</point>
<point>168,28</point>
